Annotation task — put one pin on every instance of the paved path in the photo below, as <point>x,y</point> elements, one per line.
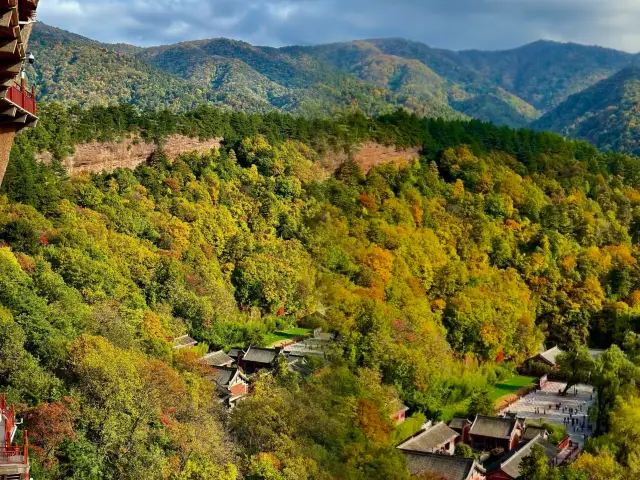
<point>542,400</point>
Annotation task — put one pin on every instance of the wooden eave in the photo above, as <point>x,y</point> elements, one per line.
<point>10,113</point>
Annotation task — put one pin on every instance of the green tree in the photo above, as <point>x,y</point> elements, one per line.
<point>481,404</point>
<point>463,450</point>
<point>575,365</point>
<point>614,375</point>
<point>535,466</point>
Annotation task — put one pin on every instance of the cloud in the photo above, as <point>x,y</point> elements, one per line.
<point>457,24</point>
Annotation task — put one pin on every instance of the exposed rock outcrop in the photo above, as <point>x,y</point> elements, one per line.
<point>97,157</point>
<point>371,154</point>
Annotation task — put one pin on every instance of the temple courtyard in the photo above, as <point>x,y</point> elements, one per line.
<point>548,405</point>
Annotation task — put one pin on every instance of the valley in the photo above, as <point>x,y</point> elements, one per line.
<point>361,260</point>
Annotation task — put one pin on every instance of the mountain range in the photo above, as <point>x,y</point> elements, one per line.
<point>580,91</point>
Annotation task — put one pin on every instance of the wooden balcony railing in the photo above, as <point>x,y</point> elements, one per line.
<point>12,455</point>
<point>23,98</point>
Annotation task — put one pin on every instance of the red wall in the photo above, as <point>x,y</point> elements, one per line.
<point>515,440</point>
<point>465,433</point>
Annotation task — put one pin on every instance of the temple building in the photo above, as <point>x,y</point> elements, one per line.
<point>487,433</point>
<point>14,459</point>
<point>17,100</point>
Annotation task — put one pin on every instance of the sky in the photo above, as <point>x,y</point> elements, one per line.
<point>454,24</point>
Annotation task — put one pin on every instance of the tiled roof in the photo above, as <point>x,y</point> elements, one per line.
<point>493,427</point>
<point>532,432</point>
<point>183,341</point>
<point>265,356</point>
<point>217,359</point>
<point>222,376</point>
<point>551,355</point>
<point>445,466</point>
<point>234,352</point>
<point>430,439</point>
<point>458,423</point>
<point>512,465</point>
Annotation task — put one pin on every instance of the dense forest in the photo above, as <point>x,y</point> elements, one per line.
<point>438,278</point>
<point>607,114</point>
<point>512,87</point>
<point>74,69</point>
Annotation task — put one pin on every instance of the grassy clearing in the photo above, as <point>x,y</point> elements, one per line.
<point>270,339</point>
<point>510,387</point>
<point>499,394</point>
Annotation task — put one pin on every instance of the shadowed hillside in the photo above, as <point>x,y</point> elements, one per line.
<point>607,114</point>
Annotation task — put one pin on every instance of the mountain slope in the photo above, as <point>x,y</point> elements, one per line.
<point>306,82</point>
<point>540,75</point>
<point>545,73</point>
<point>419,77</point>
<point>607,114</point>
<point>74,68</point>
<point>512,87</point>
<point>220,72</point>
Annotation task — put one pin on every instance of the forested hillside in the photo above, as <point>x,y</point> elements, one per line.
<point>545,73</point>
<point>512,87</point>
<point>418,78</point>
<point>607,114</point>
<point>438,278</point>
<point>221,72</point>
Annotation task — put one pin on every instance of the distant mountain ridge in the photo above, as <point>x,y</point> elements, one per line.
<point>512,87</point>
<point>606,114</point>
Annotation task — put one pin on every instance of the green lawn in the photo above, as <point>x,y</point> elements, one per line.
<point>272,338</point>
<point>511,386</point>
<point>500,390</point>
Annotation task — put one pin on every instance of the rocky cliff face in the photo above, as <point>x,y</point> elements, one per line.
<point>97,157</point>
<point>371,154</point>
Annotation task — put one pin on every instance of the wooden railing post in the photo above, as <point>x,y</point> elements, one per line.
<point>26,447</point>
<point>22,91</point>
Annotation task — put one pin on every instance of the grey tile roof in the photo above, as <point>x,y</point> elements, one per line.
<point>533,431</point>
<point>449,468</point>
<point>293,357</point>
<point>430,439</point>
<point>264,356</point>
<point>183,341</point>
<point>222,376</point>
<point>551,355</point>
<point>458,423</point>
<point>216,359</point>
<point>493,427</point>
<point>511,466</point>
<point>234,352</point>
